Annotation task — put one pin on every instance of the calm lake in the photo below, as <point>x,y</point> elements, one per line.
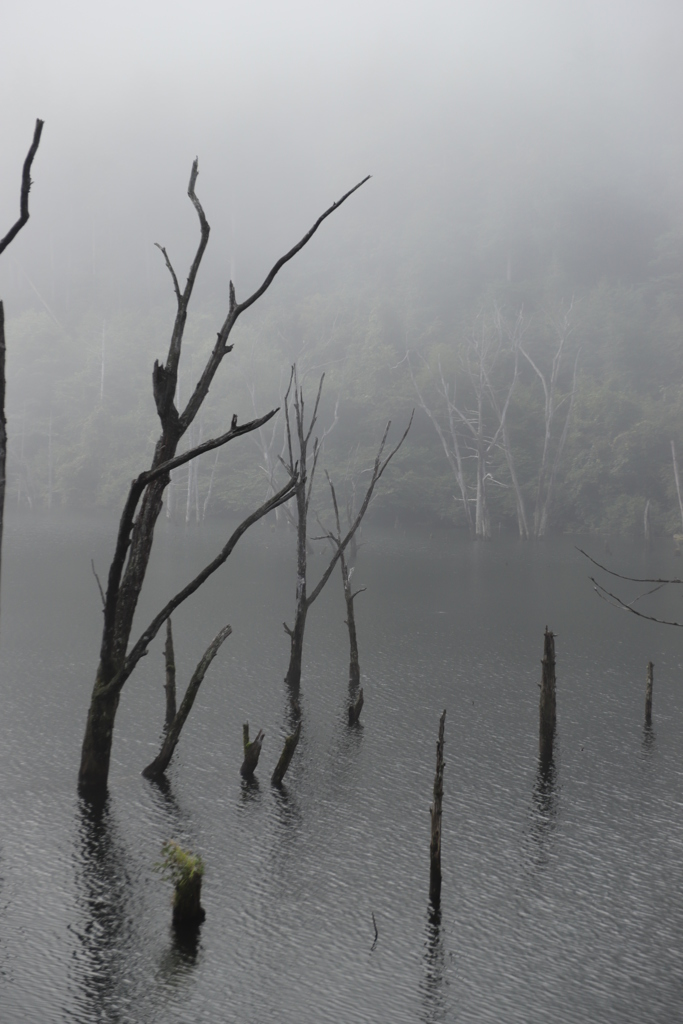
<point>562,896</point>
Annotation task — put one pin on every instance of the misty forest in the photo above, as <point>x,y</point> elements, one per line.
<point>341,521</point>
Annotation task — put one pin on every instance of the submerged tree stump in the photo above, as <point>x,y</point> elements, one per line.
<point>435,812</point>
<point>356,708</point>
<point>286,756</point>
<point>547,714</point>
<point>252,752</point>
<point>648,693</point>
<point>185,870</point>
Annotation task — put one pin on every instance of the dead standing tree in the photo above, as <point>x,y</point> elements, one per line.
<point>350,595</point>
<point>478,428</point>
<point>144,503</point>
<point>4,242</point>
<point>553,401</point>
<point>298,441</point>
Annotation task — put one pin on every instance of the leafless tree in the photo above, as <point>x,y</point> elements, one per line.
<point>144,503</point>
<point>4,242</point>
<point>554,401</point>
<point>477,421</point>
<point>303,458</point>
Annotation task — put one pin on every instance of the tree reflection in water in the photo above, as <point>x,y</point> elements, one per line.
<point>107,933</point>
<point>434,980</point>
<point>545,806</point>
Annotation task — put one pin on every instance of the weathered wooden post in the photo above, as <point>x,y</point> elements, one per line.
<point>648,693</point>
<point>185,870</point>
<point>252,751</point>
<point>286,756</point>
<point>547,702</point>
<point>435,811</point>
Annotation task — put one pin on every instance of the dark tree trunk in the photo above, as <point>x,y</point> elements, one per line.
<point>96,751</point>
<point>169,686</point>
<point>3,427</point>
<point>252,752</point>
<point>648,693</point>
<point>547,701</point>
<point>286,756</point>
<point>435,811</point>
<point>349,597</point>
<point>4,242</point>
<point>188,911</point>
<point>143,506</point>
<point>293,677</point>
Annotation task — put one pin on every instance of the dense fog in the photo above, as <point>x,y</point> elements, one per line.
<point>525,163</point>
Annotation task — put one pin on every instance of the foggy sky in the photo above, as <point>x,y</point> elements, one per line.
<point>288,104</point>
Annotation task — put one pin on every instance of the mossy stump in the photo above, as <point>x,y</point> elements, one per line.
<point>185,870</point>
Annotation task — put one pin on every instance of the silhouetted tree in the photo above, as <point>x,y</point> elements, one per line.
<point>144,503</point>
<point>4,242</point>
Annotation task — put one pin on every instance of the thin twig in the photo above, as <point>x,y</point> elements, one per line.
<point>631,579</point>
<point>92,563</point>
<point>600,590</point>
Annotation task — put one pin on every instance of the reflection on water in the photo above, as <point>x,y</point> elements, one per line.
<point>647,743</point>
<point>179,959</point>
<point>104,898</point>
<point>434,1002</point>
<point>545,806</point>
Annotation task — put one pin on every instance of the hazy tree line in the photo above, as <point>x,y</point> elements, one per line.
<point>546,369</point>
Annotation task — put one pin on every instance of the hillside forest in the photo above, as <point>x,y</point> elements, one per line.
<point>538,336</point>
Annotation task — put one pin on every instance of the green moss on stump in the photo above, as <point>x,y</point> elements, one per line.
<point>185,870</point>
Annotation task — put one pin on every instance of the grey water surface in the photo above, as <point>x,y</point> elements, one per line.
<point>562,893</point>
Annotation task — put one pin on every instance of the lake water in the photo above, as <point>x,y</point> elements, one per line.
<point>562,895</point>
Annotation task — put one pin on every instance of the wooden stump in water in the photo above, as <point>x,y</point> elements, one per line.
<point>356,708</point>
<point>286,756</point>
<point>185,870</point>
<point>435,811</point>
<point>252,752</point>
<point>547,702</point>
<point>648,693</point>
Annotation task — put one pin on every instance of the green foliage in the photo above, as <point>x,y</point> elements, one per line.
<point>181,867</point>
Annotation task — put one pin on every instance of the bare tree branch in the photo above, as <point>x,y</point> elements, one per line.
<point>139,649</point>
<point>25,188</point>
<point>628,608</point>
<point>377,472</point>
<point>176,286</point>
<point>630,579</point>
